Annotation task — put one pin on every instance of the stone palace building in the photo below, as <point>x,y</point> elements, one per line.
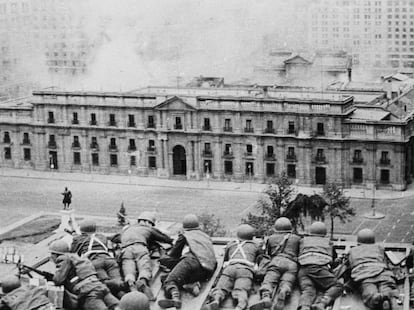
<point>225,133</point>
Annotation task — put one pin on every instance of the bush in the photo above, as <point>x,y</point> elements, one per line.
<point>211,225</point>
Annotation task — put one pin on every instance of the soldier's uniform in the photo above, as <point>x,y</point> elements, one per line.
<point>237,277</point>
<point>136,261</point>
<point>78,276</point>
<point>370,272</point>
<point>17,297</point>
<point>191,259</point>
<point>94,247</point>
<point>283,248</point>
<point>315,259</point>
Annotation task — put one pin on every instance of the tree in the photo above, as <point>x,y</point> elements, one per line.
<point>122,216</point>
<point>303,206</point>
<point>211,225</point>
<point>337,205</point>
<point>271,205</point>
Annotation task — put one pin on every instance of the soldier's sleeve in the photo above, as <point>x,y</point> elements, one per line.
<point>63,266</point>
<point>116,238</point>
<point>178,247</point>
<point>227,251</point>
<point>157,235</point>
<point>74,248</point>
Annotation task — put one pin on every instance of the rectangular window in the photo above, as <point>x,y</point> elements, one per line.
<point>151,145</point>
<point>227,149</point>
<point>228,167</point>
<point>207,166</point>
<point>384,158</point>
<point>112,144</point>
<point>270,169</point>
<point>291,153</point>
<point>76,158</point>
<point>113,159</point>
<point>51,117</point>
<point>94,143</point>
<point>291,171</point>
<point>75,141</point>
<point>269,127</point>
<point>112,121</point>
<point>249,127</point>
<point>178,124</point>
<point>206,125</point>
<point>227,125</point>
<point>385,176</point>
<point>27,154</point>
<point>131,120</point>
<point>75,118</point>
<point>357,157</point>
<point>151,123</point>
<point>7,153</point>
<point>132,161</point>
<point>357,175</point>
<point>26,139</point>
<point>291,127</point>
<point>152,162</point>
<point>95,159</point>
<point>320,154</point>
<point>93,119</point>
<point>249,148</point>
<point>320,129</point>
<point>270,150</point>
<point>52,141</point>
<point>249,169</point>
<point>132,146</point>
<point>6,137</point>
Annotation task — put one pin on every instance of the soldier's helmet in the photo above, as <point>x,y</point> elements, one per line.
<point>366,236</point>
<point>10,283</point>
<point>59,247</point>
<point>190,221</point>
<point>318,229</point>
<point>147,216</point>
<point>134,301</point>
<point>283,224</point>
<point>87,226</point>
<point>245,232</point>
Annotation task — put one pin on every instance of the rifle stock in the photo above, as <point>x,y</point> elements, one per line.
<point>24,269</point>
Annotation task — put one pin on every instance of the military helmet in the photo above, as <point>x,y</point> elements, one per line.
<point>245,232</point>
<point>147,216</point>
<point>59,247</point>
<point>283,224</point>
<point>10,283</point>
<point>318,229</point>
<point>190,221</point>
<point>366,236</point>
<point>134,301</point>
<point>88,226</point>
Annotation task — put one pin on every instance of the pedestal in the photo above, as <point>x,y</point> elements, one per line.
<point>68,221</point>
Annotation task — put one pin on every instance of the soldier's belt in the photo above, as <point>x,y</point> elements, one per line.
<point>362,266</point>
<point>293,259</point>
<point>133,243</point>
<point>241,261</point>
<point>78,285</point>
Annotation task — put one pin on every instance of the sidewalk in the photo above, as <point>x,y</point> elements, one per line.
<point>203,184</point>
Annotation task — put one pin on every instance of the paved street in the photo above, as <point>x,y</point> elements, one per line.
<point>23,193</point>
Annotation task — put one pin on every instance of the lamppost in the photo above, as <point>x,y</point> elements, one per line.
<point>207,170</point>
<point>249,173</point>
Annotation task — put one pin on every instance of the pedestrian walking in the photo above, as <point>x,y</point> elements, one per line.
<point>67,199</point>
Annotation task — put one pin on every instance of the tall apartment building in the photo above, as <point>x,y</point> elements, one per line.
<point>377,33</point>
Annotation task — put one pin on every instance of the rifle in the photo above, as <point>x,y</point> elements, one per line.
<point>24,269</point>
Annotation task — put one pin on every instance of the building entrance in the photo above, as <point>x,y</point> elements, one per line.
<point>53,161</point>
<point>320,175</point>
<point>179,161</point>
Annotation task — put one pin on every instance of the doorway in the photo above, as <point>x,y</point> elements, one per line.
<point>53,161</point>
<point>179,161</point>
<point>320,175</point>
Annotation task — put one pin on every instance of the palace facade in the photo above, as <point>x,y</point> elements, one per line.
<point>238,134</point>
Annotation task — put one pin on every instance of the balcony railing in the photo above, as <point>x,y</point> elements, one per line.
<point>207,153</point>
<point>51,145</point>
<point>93,123</point>
<point>178,126</point>
<point>290,157</point>
<point>112,124</point>
<point>113,148</point>
<point>207,128</point>
<point>94,146</point>
<point>249,129</point>
<point>132,147</point>
<point>320,159</point>
<point>270,156</point>
<point>75,122</point>
<point>320,133</point>
<point>291,131</point>
<point>227,129</point>
<point>357,160</point>
<point>269,130</point>
<point>228,154</point>
<point>248,154</point>
<point>26,142</point>
<point>151,125</point>
<point>76,145</point>
<point>50,120</point>
<point>151,149</point>
<point>385,161</point>
<point>7,140</point>
<point>131,124</point>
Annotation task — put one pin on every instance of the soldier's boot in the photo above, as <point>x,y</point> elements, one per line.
<point>264,303</point>
<point>193,288</point>
<point>142,286</point>
<point>322,303</point>
<point>284,293</point>
<point>174,301</point>
<point>241,303</point>
<point>131,285</point>
<point>214,304</point>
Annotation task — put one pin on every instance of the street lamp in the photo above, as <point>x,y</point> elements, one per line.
<point>207,170</point>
